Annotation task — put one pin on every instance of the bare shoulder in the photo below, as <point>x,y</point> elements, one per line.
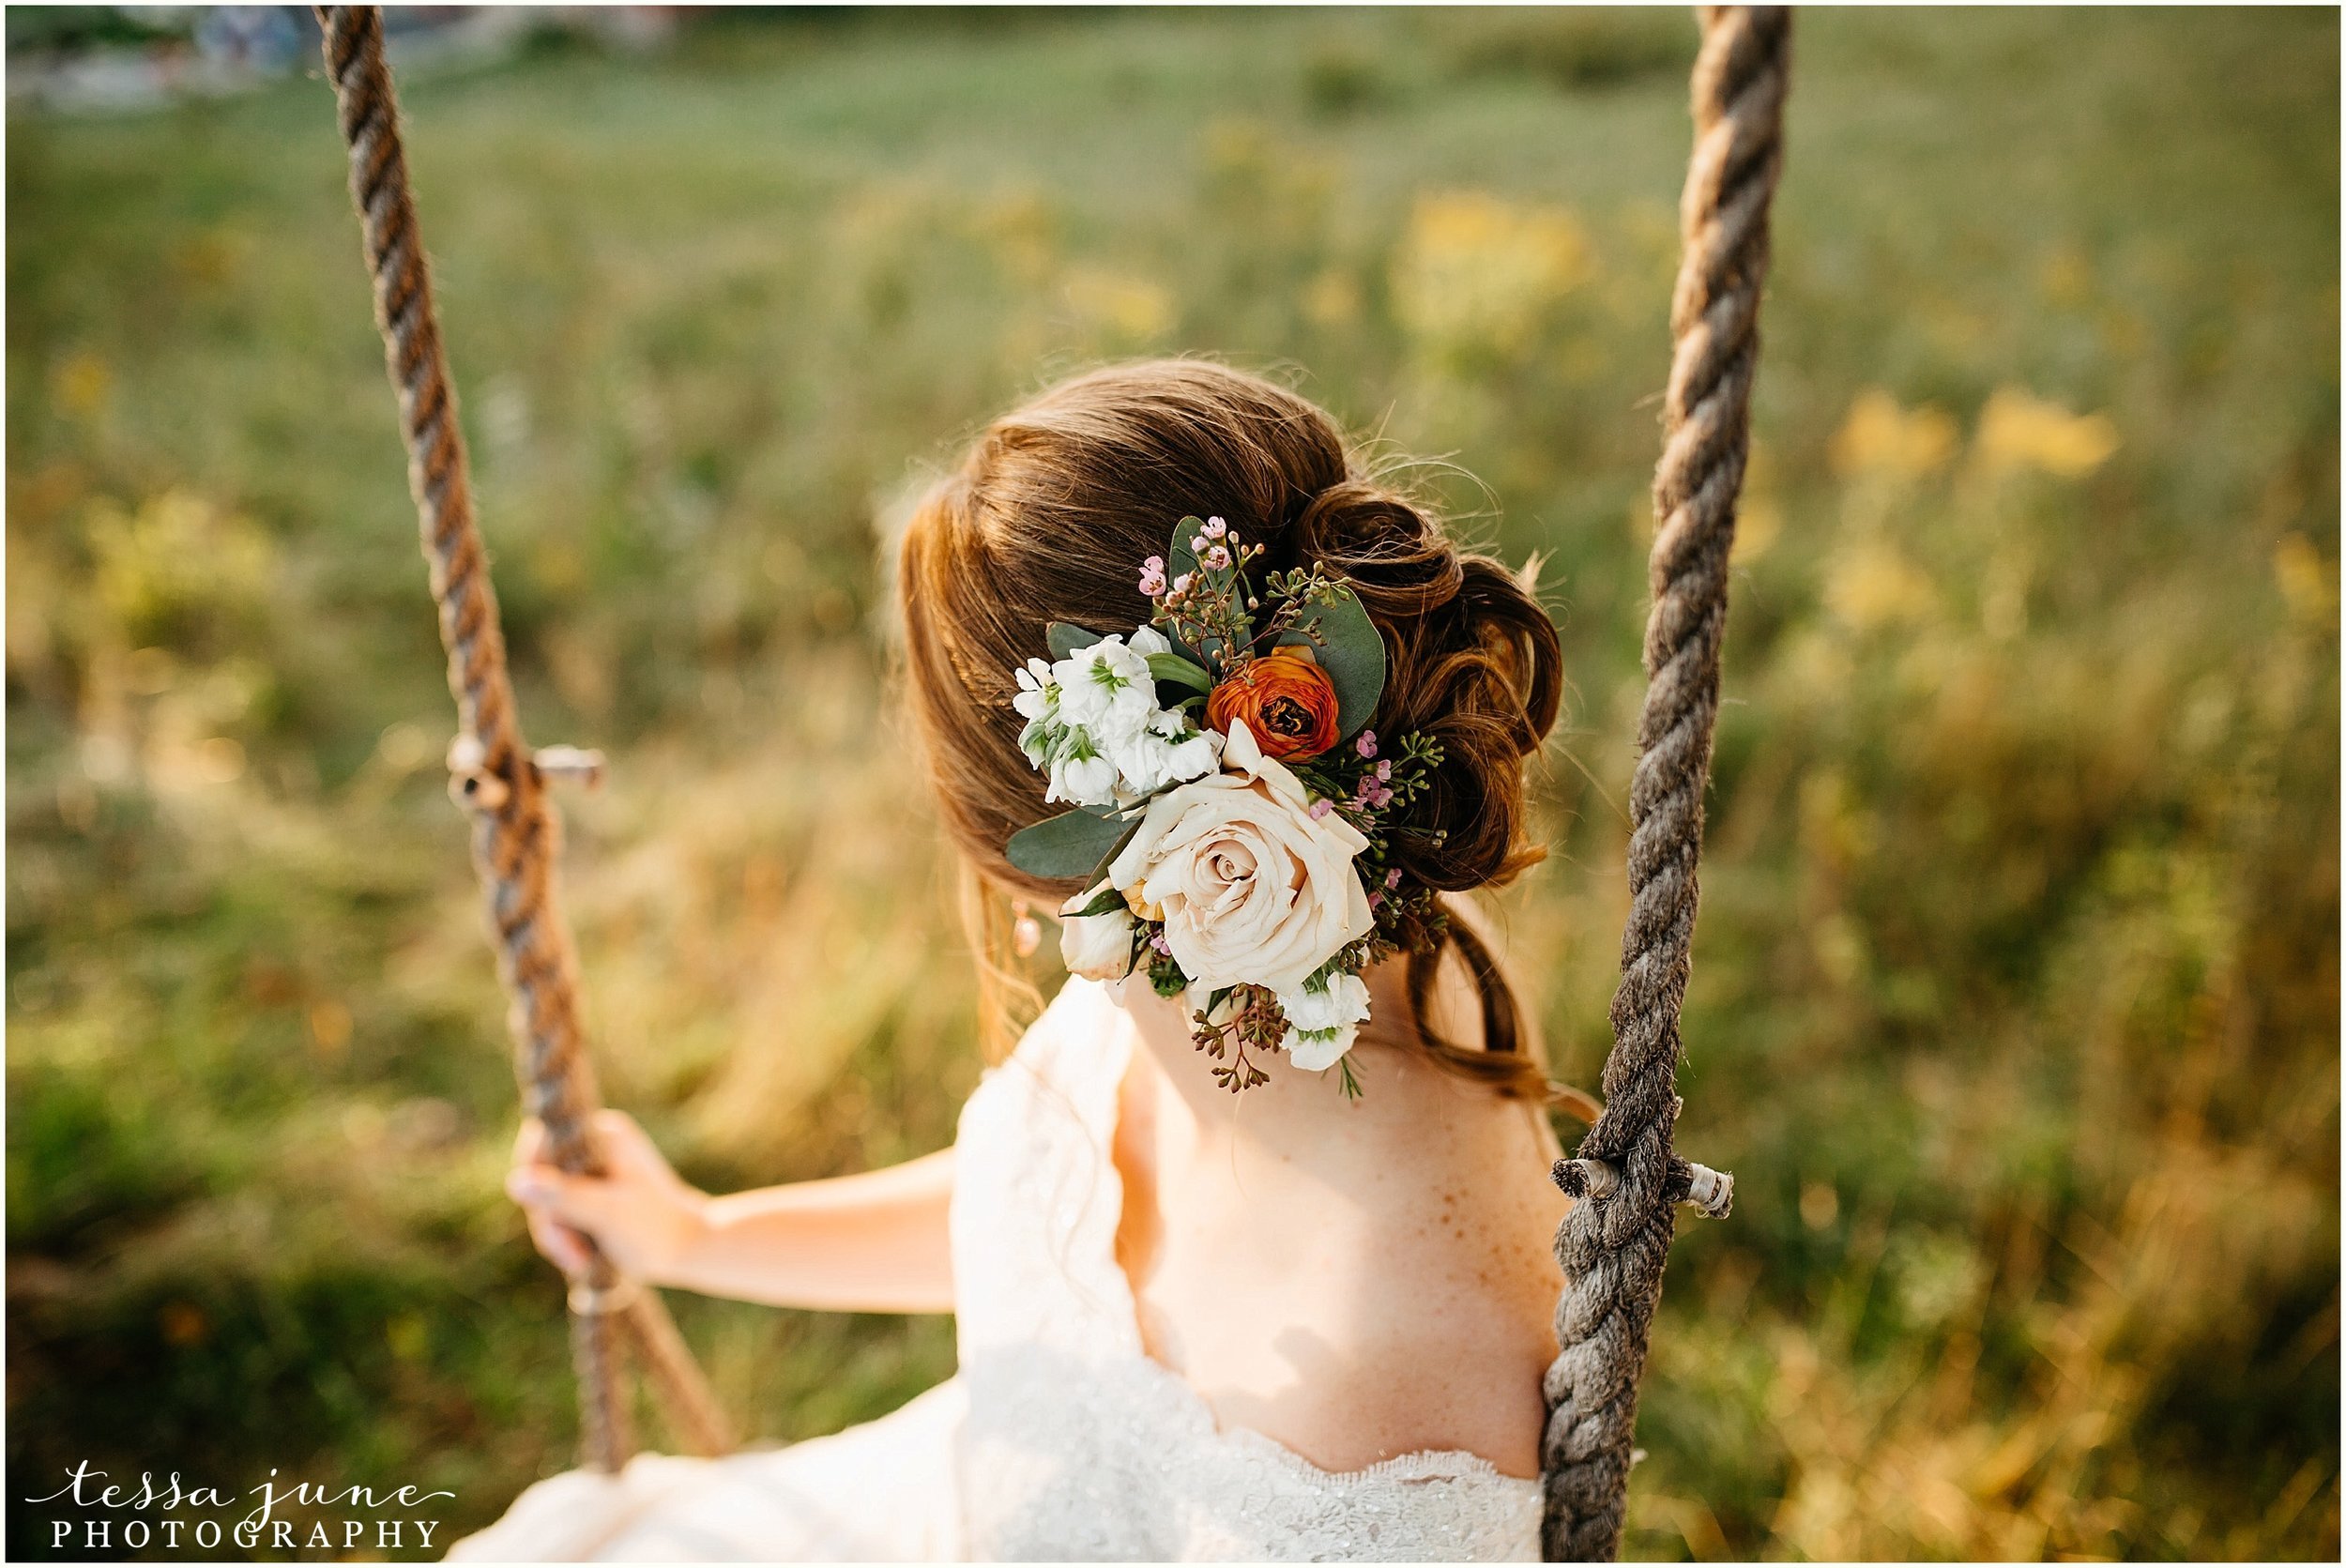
<point>1455,1313</point>
<point>1432,1302</point>
<point>1467,1321</point>
<point>1355,1279</point>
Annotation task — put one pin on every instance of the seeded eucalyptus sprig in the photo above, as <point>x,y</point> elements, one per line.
<point>1296,592</point>
<point>1232,1022</point>
<point>1202,599</point>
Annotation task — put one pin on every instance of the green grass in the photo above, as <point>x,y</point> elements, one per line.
<point>2015,1000</point>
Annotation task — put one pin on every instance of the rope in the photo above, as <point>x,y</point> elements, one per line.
<point>515,831</point>
<point>1616,1240</point>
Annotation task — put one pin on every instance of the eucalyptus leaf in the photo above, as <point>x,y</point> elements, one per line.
<point>1068,845</point>
<point>1179,559</point>
<point>1100,868</point>
<point>1349,646</point>
<point>1066,639</point>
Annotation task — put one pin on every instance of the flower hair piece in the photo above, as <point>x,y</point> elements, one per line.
<point>1234,811</point>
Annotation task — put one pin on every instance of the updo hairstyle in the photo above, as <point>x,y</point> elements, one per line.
<point>1047,519</point>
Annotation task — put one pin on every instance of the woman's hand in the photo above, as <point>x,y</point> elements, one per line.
<point>643,1215</point>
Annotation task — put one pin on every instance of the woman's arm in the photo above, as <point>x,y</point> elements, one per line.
<point>874,1242</point>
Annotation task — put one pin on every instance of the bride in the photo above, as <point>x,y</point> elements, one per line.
<point>1247,1241</point>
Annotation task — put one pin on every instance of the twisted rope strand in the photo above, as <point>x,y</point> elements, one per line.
<point>1614,1243</point>
<point>516,835</point>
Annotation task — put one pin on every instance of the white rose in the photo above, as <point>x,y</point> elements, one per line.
<point>1323,1020</point>
<point>1106,689</point>
<point>1255,892</point>
<point>1097,947</point>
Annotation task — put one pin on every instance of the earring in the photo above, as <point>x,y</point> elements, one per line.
<point>1025,934</point>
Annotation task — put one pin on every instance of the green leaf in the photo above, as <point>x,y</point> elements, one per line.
<point>1179,559</point>
<point>1068,845</point>
<point>1100,867</point>
<point>1350,648</point>
<point>1066,639</point>
<point>1109,899</point>
<point>1180,670</point>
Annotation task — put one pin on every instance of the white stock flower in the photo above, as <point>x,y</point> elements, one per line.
<point>1254,889</point>
<point>1038,695</point>
<point>1192,757</point>
<point>1037,701</point>
<point>1080,775</point>
<point>1323,1019</point>
<point>1097,947</point>
<point>1107,689</point>
<point>1161,756</point>
<point>1094,725</point>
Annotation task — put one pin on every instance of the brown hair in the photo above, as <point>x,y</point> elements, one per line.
<point>1048,518</point>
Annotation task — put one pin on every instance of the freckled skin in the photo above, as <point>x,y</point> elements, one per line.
<point>1355,1280</point>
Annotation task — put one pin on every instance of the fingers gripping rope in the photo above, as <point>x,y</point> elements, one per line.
<point>1616,1238</point>
<point>515,832</point>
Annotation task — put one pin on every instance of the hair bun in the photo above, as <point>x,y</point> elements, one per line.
<point>1473,662</point>
<point>1398,559</point>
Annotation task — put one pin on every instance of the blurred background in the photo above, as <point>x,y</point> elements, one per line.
<point>2016,1005</point>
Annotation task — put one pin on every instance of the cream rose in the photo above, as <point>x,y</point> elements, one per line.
<point>1254,889</point>
<point>1097,947</point>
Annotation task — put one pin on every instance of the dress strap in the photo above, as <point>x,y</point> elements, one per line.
<point>1036,1195</point>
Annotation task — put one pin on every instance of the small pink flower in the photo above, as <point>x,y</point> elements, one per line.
<point>1215,527</point>
<point>1376,899</point>
<point>1393,877</point>
<point>1216,558</point>
<point>1384,772</point>
<point>1197,543</point>
<point>1366,744</point>
<point>1152,576</point>
<point>1321,808</point>
<point>1156,940</point>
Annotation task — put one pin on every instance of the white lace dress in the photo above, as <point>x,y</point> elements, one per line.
<point>1059,1439</point>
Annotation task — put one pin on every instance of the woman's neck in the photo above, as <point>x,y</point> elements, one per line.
<point>1295,1113</point>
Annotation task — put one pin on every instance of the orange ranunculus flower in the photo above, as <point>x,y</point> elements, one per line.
<point>1286,701</point>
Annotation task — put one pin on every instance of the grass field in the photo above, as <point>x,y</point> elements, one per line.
<point>2015,1002</point>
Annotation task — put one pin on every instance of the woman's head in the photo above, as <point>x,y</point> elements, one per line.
<point>1056,503</point>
